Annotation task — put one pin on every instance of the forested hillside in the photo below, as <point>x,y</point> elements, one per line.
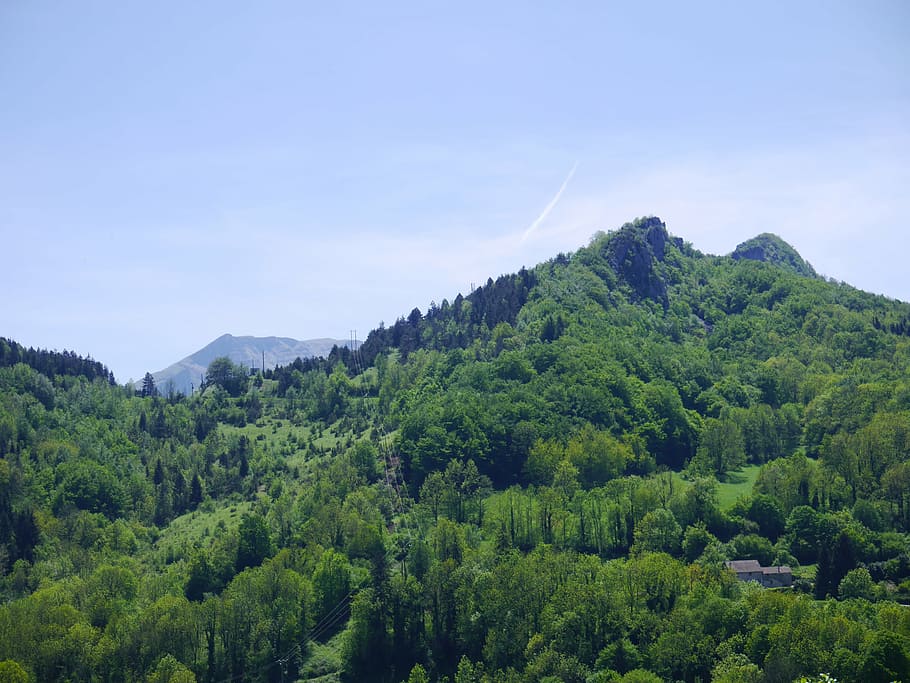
<point>538,481</point>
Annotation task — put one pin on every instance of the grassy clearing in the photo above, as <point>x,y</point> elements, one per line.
<point>269,429</point>
<point>290,441</point>
<point>737,485</point>
<point>806,571</point>
<point>680,483</point>
<point>197,529</point>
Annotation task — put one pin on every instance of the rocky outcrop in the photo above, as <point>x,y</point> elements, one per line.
<point>770,248</point>
<point>635,250</point>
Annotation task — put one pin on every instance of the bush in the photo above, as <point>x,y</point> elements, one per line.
<point>856,584</point>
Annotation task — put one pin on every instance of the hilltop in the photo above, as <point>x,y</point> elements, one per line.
<point>772,249</point>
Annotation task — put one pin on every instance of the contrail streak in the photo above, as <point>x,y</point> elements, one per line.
<point>549,207</point>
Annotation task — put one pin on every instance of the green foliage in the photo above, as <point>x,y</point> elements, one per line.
<point>418,675</point>
<point>201,579</point>
<point>52,363</point>
<point>753,547</point>
<point>721,448</point>
<point>639,676</point>
<point>695,540</point>
<point>11,672</point>
<point>364,458</point>
<point>255,544</point>
<point>736,668</point>
<point>598,456</point>
<point>222,372</point>
<point>857,583</point>
<point>331,584</point>
<point>366,640</point>
<point>531,518</point>
<point>658,531</point>
<point>886,657</point>
<point>169,670</point>
<point>767,514</point>
<point>621,655</point>
<point>88,485</point>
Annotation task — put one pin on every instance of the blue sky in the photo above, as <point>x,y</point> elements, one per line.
<point>172,171</point>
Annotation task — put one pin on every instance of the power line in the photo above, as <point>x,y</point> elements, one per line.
<point>394,477</point>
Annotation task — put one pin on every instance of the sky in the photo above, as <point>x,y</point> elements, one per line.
<point>173,171</point>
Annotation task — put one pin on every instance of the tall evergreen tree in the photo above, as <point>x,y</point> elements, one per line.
<point>149,388</point>
<point>195,491</point>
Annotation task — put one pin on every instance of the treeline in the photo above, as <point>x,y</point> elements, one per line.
<point>445,326</point>
<point>456,325</point>
<point>52,363</point>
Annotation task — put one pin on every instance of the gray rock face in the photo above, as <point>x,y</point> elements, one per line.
<point>634,250</point>
<point>656,236</point>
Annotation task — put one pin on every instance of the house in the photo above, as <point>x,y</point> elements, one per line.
<point>769,577</point>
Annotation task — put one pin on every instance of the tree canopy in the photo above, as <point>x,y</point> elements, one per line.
<point>540,480</point>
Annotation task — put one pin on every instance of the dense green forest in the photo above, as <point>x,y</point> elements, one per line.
<point>539,481</point>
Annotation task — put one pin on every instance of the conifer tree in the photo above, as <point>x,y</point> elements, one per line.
<point>149,388</point>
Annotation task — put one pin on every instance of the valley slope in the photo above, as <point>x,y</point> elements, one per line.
<point>540,480</point>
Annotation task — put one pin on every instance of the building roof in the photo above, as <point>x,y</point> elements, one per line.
<point>749,566</point>
<point>744,565</point>
<point>782,569</point>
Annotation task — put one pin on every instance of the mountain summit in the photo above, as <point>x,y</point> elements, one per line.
<point>772,249</point>
<point>247,351</point>
<point>634,252</point>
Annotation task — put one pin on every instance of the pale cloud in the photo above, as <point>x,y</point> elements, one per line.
<point>549,207</point>
<point>373,275</point>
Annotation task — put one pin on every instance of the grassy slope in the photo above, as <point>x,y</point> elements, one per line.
<point>737,485</point>
<point>196,530</point>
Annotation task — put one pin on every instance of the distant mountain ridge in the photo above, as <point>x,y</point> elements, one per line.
<point>248,351</point>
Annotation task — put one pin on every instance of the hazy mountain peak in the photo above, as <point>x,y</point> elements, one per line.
<point>248,351</point>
